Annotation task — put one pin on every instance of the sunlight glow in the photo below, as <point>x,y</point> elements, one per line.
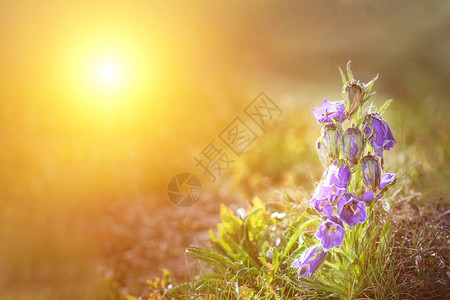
<point>108,74</point>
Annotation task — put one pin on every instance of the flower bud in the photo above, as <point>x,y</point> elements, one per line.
<point>328,144</point>
<point>352,145</point>
<point>322,153</point>
<point>371,172</point>
<point>354,93</point>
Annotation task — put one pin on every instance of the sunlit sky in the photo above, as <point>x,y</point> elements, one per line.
<point>95,93</point>
<point>104,57</point>
<point>98,84</point>
<point>71,50</point>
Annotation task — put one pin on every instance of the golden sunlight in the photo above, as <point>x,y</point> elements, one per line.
<point>108,74</point>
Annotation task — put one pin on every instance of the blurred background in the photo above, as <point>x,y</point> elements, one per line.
<point>102,102</point>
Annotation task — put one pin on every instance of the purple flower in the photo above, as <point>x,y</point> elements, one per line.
<point>386,179</point>
<point>329,144</point>
<point>329,111</point>
<point>371,172</point>
<point>323,206</point>
<point>368,196</point>
<point>331,233</point>
<point>378,133</point>
<point>352,145</point>
<point>334,184</point>
<point>308,262</point>
<point>352,210</point>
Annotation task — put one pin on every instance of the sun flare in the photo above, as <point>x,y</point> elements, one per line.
<point>108,74</point>
<point>104,73</point>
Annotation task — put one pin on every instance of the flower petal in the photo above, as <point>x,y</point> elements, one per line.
<point>368,196</point>
<point>386,179</point>
<point>331,233</point>
<point>329,111</point>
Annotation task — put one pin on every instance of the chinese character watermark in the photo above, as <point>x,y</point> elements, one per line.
<point>238,136</point>
<point>262,109</point>
<point>214,160</point>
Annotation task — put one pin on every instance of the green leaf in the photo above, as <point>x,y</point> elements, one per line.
<point>312,212</point>
<point>387,230</point>
<point>276,256</point>
<point>230,223</point>
<point>298,251</point>
<point>310,284</point>
<point>349,72</point>
<point>295,236</point>
<point>241,253</point>
<point>369,85</point>
<point>210,276</point>
<point>182,288</point>
<point>353,265</point>
<point>262,239</point>
<point>258,204</point>
<point>254,224</point>
<point>385,105</point>
<point>202,284</point>
<point>221,262</point>
<point>344,80</point>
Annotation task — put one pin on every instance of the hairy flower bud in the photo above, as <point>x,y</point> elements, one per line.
<point>371,171</point>
<point>322,153</point>
<point>352,145</point>
<point>328,145</point>
<point>354,93</point>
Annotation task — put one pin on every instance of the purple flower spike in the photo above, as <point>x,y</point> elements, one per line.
<point>379,134</point>
<point>308,262</point>
<point>351,210</point>
<point>331,233</point>
<point>329,111</point>
<point>333,185</point>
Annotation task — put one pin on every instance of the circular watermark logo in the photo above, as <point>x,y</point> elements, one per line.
<point>184,189</point>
